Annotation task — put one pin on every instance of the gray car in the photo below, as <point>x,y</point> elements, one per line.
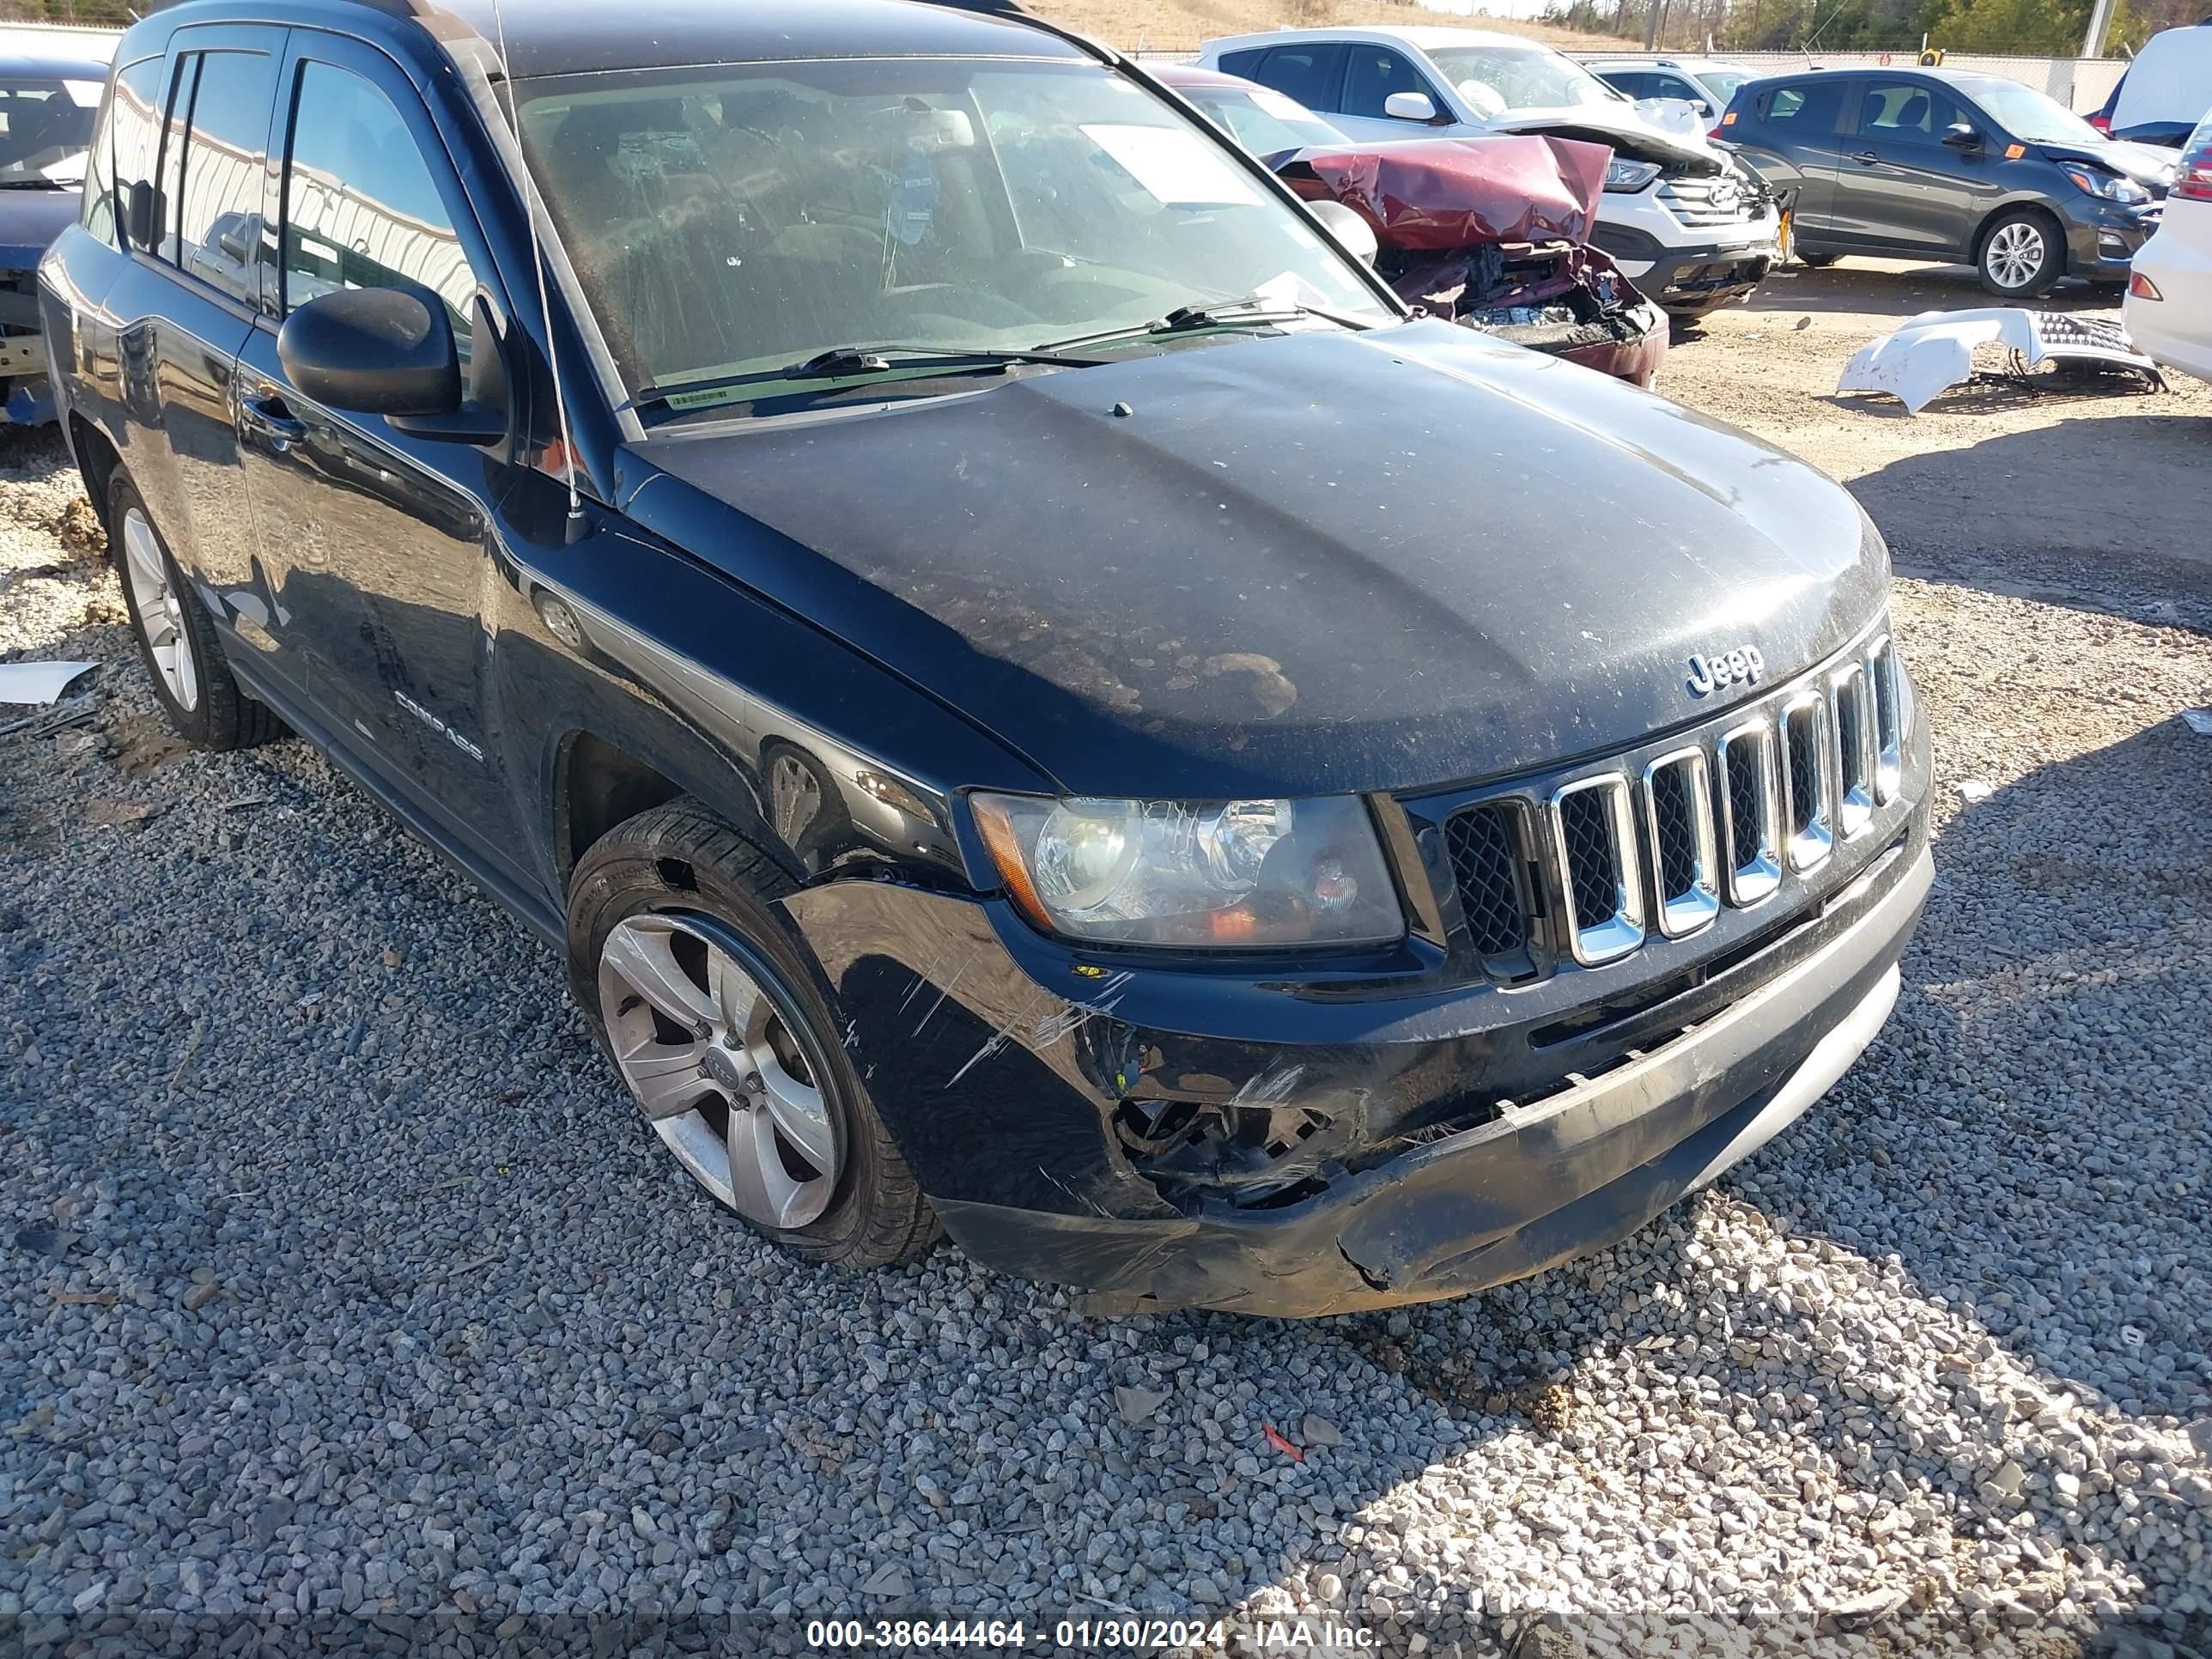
<point>1935,164</point>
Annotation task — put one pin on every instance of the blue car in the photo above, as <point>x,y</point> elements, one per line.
<point>47,106</point>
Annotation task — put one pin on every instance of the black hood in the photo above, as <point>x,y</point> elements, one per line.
<point>1300,564</point>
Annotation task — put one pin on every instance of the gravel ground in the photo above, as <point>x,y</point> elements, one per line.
<point>338,1277</point>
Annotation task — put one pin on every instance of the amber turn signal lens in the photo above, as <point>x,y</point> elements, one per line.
<point>1005,847</point>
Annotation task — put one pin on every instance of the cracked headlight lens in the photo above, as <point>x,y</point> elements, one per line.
<point>1199,875</point>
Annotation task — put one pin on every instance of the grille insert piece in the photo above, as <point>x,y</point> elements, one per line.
<point>1750,814</point>
<point>1808,815</point>
<point>1849,705</point>
<point>1487,855</point>
<point>1600,870</point>
<point>1884,676</point>
<point>1678,812</point>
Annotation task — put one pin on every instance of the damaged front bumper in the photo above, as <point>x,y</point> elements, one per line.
<point>1031,1090</point>
<point>1690,282</point>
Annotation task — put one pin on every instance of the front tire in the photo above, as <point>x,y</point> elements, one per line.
<point>177,640</point>
<point>2022,254</point>
<point>715,1014</point>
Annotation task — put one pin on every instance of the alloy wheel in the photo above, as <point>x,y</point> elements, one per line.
<point>161,611</point>
<point>709,1053</point>
<point>2016,254</point>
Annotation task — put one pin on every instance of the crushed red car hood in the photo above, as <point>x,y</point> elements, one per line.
<point>1435,194</point>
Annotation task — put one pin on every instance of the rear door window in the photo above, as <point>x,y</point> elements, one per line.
<point>1905,112</point>
<point>1311,74</point>
<point>1243,62</point>
<point>1810,108</point>
<point>216,188</point>
<point>1633,82</point>
<point>1371,73</point>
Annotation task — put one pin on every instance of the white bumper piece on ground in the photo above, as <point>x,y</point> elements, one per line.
<point>1936,350</point>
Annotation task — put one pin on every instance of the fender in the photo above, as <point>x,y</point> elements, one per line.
<point>720,684</point>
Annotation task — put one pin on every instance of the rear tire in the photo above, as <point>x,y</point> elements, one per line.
<point>2022,254</point>
<point>177,640</point>
<point>675,954</point>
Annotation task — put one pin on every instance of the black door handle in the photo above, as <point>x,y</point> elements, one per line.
<point>267,415</point>
<point>1865,158</point>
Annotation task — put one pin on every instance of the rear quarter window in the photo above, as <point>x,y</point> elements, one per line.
<point>132,140</point>
<point>1806,106</point>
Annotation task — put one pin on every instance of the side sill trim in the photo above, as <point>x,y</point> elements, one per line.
<point>542,918</point>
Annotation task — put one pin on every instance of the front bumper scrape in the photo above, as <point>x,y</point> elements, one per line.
<point>994,1095</point>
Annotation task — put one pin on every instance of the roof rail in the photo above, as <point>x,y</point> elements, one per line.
<point>1016,11</point>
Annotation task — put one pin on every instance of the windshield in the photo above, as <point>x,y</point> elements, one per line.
<point>2026,114</point>
<point>1496,80</point>
<point>45,127</point>
<point>736,220</point>
<point>1263,120</point>
<point>1723,83</point>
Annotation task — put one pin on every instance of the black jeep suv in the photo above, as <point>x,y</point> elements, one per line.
<point>1034,697</point>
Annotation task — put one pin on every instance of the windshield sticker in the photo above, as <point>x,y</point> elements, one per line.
<point>1178,167</point>
<point>917,199</point>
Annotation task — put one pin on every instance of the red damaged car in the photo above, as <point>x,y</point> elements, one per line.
<point>1490,232</point>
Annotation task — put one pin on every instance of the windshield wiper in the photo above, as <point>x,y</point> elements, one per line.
<point>1252,311</point>
<point>856,362</point>
<point>41,184</point>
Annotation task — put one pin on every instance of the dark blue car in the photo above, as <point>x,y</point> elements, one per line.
<point>1030,694</point>
<point>47,109</point>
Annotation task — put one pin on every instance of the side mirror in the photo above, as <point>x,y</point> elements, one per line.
<point>372,351</point>
<point>1960,136</point>
<point>1352,232</point>
<point>1409,106</point>
<point>142,216</point>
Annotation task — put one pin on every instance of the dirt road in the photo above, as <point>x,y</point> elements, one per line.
<point>1993,471</point>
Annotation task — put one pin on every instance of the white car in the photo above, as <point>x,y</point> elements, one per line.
<point>2168,309</point>
<point>1680,217</point>
<point>1704,83</point>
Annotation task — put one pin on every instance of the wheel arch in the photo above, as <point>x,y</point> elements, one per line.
<point>2012,205</point>
<point>98,460</point>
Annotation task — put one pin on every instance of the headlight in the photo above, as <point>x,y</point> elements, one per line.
<point>2110,186</point>
<point>1625,178</point>
<point>1200,875</point>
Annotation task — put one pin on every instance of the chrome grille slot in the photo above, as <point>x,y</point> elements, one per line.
<point>1601,874</point>
<point>1678,813</point>
<point>1888,743</point>
<point>1487,851</point>
<point>1750,814</point>
<point>1848,704</point>
<point>1718,200</point>
<point>1807,812</point>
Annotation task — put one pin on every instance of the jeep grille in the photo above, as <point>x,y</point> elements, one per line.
<point>1719,821</point>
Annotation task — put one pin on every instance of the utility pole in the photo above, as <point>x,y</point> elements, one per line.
<point>2093,43</point>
